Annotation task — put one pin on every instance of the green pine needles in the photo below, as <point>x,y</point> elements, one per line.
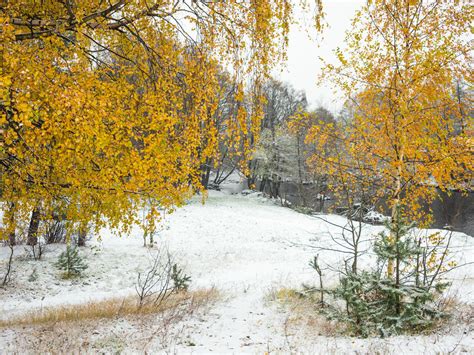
<point>71,263</point>
<point>377,302</point>
<point>180,279</point>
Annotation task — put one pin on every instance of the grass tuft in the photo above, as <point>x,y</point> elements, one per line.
<point>111,308</point>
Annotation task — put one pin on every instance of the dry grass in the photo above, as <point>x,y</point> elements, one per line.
<point>111,308</point>
<point>459,314</point>
<point>108,326</point>
<point>304,316</point>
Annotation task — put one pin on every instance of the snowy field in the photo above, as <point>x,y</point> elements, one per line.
<point>246,247</point>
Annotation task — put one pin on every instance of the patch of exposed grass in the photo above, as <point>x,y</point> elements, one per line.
<point>111,308</point>
<point>460,314</point>
<point>304,314</point>
<point>286,295</point>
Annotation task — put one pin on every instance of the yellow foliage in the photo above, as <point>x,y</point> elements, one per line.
<point>409,129</point>
<point>107,105</point>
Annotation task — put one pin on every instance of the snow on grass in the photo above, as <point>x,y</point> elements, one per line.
<point>245,246</point>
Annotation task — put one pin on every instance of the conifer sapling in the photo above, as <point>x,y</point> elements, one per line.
<point>71,263</point>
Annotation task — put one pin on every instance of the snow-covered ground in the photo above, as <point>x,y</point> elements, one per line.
<point>245,246</point>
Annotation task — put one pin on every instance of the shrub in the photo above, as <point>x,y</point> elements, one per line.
<point>303,209</point>
<point>71,263</point>
<point>181,281</point>
<point>162,278</point>
<point>377,304</point>
<point>33,276</point>
<point>394,300</point>
<point>55,232</point>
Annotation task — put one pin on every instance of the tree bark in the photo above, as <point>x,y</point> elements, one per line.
<point>81,236</point>
<point>32,238</point>
<point>300,172</point>
<point>262,184</point>
<point>11,233</point>
<point>205,173</point>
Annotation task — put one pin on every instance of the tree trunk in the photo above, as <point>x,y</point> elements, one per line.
<point>395,212</point>
<point>322,198</point>
<point>262,184</point>
<point>81,237</point>
<point>300,184</point>
<point>32,238</point>
<point>12,227</point>
<point>393,266</point>
<point>252,175</point>
<point>205,173</point>
<point>275,187</point>
<point>12,238</point>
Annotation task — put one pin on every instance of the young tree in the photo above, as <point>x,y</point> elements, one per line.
<point>399,71</point>
<point>71,262</point>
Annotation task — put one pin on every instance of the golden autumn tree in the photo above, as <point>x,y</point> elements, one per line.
<point>409,133</point>
<point>106,105</point>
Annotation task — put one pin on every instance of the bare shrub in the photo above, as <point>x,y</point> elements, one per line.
<point>55,232</point>
<point>154,285</point>
<point>162,278</point>
<point>36,251</point>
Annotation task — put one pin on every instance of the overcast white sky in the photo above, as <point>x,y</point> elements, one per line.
<point>303,65</point>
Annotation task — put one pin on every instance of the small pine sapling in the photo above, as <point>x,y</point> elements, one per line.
<point>376,302</point>
<point>180,279</point>
<point>71,263</point>
<point>33,276</point>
